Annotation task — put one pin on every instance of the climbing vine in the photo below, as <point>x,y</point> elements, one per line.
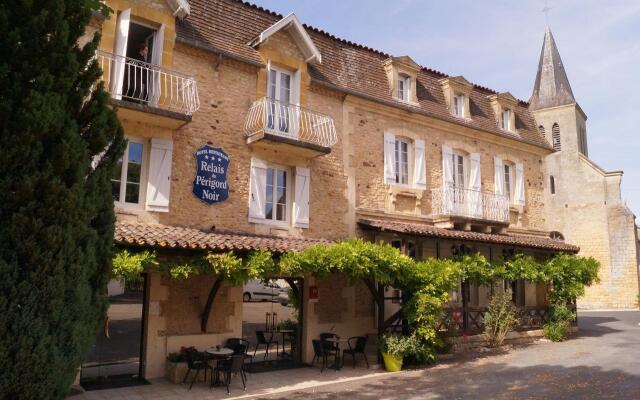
<point>427,284</point>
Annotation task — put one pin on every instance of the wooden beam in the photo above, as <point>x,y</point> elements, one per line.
<point>379,299</point>
<point>209,305</point>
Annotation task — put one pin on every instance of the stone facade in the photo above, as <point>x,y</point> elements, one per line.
<point>345,184</point>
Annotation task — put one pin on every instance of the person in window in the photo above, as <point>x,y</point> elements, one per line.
<point>135,81</point>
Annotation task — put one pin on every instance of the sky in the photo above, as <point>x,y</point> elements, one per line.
<point>496,43</point>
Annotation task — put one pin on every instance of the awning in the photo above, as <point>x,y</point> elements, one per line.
<point>173,237</point>
<point>430,231</point>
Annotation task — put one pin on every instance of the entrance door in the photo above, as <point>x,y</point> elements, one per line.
<point>114,360</point>
<point>271,323</point>
<point>279,113</point>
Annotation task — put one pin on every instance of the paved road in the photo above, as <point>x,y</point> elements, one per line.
<point>602,363</point>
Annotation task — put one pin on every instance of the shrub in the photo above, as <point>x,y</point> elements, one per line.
<point>500,319</point>
<point>395,345</point>
<point>559,325</point>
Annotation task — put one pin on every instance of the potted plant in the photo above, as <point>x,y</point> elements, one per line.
<point>393,349</point>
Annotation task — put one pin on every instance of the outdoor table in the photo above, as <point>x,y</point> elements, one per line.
<point>337,365</point>
<point>218,354</point>
<point>283,332</point>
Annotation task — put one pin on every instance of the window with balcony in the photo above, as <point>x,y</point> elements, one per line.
<point>126,181</point>
<point>133,72</point>
<point>509,175</point>
<point>279,93</point>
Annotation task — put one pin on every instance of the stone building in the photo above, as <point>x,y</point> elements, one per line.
<point>583,201</point>
<point>250,130</point>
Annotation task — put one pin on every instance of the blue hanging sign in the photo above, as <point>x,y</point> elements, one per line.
<point>210,184</point>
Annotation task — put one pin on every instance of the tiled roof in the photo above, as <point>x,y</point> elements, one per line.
<point>424,230</point>
<point>173,237</point>
<point>227,26</point>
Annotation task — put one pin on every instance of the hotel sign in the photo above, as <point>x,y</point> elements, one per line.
<point>210,184</point>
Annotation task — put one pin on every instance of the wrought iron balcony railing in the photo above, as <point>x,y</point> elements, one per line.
<point>455,201</point>
<point>148,84</point>
<point>290,121</point>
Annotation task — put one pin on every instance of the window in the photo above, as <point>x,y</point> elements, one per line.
<point>555,137</point>
<point>506,119</point>
<point>402,161</point>
<point>458,105</point>
<point>126,179</point>
<point>552,184</point>
<point>458,170</point>
<point>276,196</point>
<point>279,95</point>
<point>508,181</point>
<point>404,84</point>
<point>582,140</point>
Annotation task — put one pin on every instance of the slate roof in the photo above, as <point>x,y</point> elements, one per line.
<point>552,88</point>
<point>227,26</point>
<point>173,237</point>
<point>430,231</point>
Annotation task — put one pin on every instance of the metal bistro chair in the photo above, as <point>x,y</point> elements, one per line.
<point>238,345</point>
<point>262,340</point>
<point>196,361</point>
<point>235,365</point>
<point>359,344</point>
<point>320,352</point>
<point>331,347</point>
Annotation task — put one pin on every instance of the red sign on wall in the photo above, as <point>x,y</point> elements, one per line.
<point>313,293</point>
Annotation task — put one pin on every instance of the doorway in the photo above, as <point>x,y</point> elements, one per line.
<point>115,358</point>
<point>272,323</point>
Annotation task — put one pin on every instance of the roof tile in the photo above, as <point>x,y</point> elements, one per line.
<point>424,230</point>
<point>229,26</point>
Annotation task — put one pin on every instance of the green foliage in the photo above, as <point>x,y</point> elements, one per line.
<point>56,235</point>
<point>127,267</point>
<point>426,285</point>
<point>395,345</point>
<point>499,320</point>
<point>559,325</point>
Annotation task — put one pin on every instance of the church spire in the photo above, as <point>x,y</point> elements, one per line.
<point>552,87</point>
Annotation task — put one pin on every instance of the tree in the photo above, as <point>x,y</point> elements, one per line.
<point>56,209</point>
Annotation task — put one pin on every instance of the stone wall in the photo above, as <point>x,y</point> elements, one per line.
<point>366,125</point>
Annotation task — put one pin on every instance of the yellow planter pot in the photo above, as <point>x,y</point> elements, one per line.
<point>392,363</point>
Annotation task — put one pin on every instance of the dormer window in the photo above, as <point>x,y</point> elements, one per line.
<point>459,105</point>
<point>404,85</point>
<point>402,73</point>
<point>503,105</point>
<point>506,119</point>
<point>456,92</point>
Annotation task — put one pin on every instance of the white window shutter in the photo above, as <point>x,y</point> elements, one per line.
<point>420,170</point>
<point>156,58</point>
<point>498,176</point>
<point>257,189</point>
<point>447,165</point>
<point>475,196</point>
<point>159,185</point>
<point>122,35</point>
<point>301,202</point>
<point>389,158</point>
<point>519,189</point>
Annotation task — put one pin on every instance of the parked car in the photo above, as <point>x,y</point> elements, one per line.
<point>259,290</point>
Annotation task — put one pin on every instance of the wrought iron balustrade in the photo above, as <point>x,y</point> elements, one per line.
<point>450,200</point>
<point>290,121</point>
<point>148,84</point>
